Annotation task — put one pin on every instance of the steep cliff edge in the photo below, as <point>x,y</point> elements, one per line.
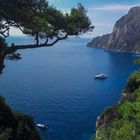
<point>125,36</point>
<point>122,121</point>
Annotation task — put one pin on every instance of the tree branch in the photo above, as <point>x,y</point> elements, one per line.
<point>57,39</point>
<point>14,48</point>
<point>4,30</point>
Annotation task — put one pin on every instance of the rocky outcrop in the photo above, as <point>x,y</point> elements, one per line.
<point>117,121</point>
<point>125,36</point>
<point>99,41</point>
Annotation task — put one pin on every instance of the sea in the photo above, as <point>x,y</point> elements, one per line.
<point>56,85</point>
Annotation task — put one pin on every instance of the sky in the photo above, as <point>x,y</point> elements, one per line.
<point>102,13</point>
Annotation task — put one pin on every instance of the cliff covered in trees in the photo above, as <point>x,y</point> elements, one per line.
<point>16,126</point>
<point>125,36</point>
<point>122,121</point>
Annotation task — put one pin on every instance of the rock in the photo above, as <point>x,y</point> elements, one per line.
<point>125,36</point>
<point>99,41</point>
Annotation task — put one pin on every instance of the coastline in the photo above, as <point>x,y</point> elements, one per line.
<point>115,113</point>
<point>116,51</point>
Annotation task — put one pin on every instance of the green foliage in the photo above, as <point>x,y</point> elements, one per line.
<point>16,126</point>
<point>137,95</point>
<point>6,134</point>
<point>77,21</point>
<point>38,19</point>
<point>121,130</point>
<point>5,111</point>
<point>26,127</point>
<point>127,125</point>
<point>137,61</point>
<point>133,83</point>
<point>127,109</point>
<point>53,23</point>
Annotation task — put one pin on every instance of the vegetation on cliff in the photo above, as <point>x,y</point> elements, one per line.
<point>122,121</point>
<point>137,61</point>
<point>16,126</point>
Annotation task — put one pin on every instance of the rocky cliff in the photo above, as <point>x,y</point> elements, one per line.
<point>125,36</point>
<point>122,121</point>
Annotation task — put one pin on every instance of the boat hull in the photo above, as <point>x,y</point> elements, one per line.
<point>101,78</point>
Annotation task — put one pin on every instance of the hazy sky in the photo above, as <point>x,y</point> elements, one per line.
<point>103,13</point>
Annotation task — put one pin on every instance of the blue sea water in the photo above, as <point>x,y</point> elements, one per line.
<point>56,85</point>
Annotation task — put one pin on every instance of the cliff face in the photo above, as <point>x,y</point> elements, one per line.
<point>99,42</point>
<point>125,36</point>
<point>122,121</point>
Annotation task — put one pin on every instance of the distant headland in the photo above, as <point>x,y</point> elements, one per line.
<point>125,36</point>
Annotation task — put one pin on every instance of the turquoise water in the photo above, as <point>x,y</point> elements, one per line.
<point>56,86</point>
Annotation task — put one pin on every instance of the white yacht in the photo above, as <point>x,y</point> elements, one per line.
<point>101,76</point>
<point>43,126</point>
